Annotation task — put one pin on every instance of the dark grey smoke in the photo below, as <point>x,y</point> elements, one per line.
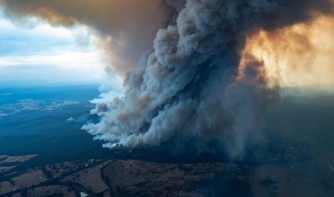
<point>188,90</point>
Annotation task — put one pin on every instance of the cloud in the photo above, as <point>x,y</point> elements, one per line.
<point>21,41</point>
<point>70,119</point>
<point>126,28</point>
<point>49,53</point>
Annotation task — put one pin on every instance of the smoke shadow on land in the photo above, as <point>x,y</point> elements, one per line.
<point>163,154</point>
<point>225,187</point>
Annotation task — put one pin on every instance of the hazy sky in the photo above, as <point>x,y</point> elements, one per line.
<point>43,54</point>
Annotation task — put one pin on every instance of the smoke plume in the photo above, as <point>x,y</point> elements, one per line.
<point>203,85</point>
<point>197,86</point>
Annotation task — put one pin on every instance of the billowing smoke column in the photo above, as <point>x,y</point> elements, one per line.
<point>194,89</point>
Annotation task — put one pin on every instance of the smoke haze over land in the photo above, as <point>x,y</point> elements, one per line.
<point>205,83</point>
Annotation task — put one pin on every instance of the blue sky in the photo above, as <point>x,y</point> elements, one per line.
<point>40,53</point>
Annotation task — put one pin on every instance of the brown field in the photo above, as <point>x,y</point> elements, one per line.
<point>60,169</point>
<point>21,158</point>
<point>33,177</point>
<point>54,189</point>
<point>298,176</point>
<point>129,177</point>
<point>13,159</point>
<point>90,178</point>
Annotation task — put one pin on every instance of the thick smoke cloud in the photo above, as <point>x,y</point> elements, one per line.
<point>298,55</point>
<point>194,89</point>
